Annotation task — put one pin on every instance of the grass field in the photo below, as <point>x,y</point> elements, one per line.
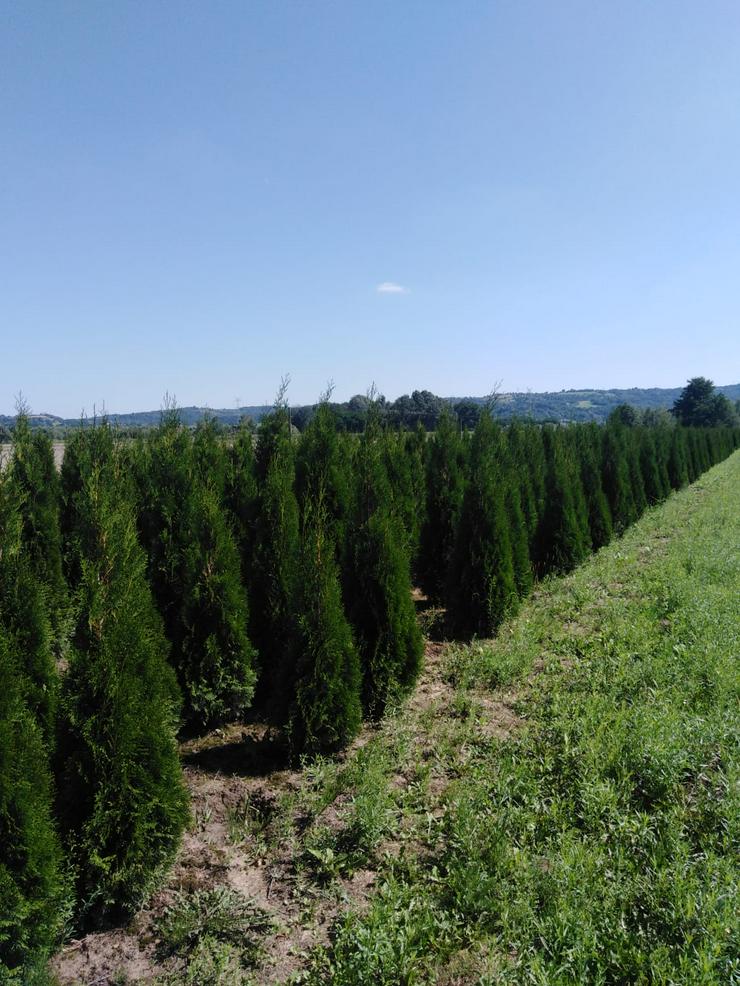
<point>558,806</point>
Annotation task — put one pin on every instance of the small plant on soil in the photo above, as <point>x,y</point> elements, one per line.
<point>196,925</point>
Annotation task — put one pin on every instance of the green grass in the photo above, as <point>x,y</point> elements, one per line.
<point>217,933</point>
<point>598,843</point>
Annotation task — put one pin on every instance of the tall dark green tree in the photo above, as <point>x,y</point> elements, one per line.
<point>325,710</point>
<point>616,480</point>
<point>481,587</point>
<point>33,472</point>
<point>678,472</point>
<point>563,536</point>
<point>24,612</point>
<point>654,480</point>
<point>240,497</point>
<point>276,562</point>
<point>445,487</point>
<point>215,660</point>
<point>210,461</point>
<point>123,804</point>
<point>701,406</point>
<point>588,452</point>
<point>195,570</point>
<point>377,581</point>
<point>322,467</point>
<point>34,897</point>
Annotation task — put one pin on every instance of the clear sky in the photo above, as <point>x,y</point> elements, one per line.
<point>201,197</point>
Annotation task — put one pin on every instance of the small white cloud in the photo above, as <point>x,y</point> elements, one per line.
<point>390,287</point>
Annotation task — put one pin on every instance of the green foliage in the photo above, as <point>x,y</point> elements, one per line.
<point>276,563</point>
<point>215,658</point>
<point>563,536</point>
<point>377,582</point>
<point>33,888</point>
<point>240,496</point>
<point>699,405</point>
<point>323,467</point>
<point>195,567</point>
<point>34,475</point>
<point>481,589</point>
<point>616,478</point>
<point>194,925</point>
<point>588,450</point>
<point>445,487</point>
<point>326,710</point>
<point>122,801</point>
<point>24,614</point>
<point>210,461</point>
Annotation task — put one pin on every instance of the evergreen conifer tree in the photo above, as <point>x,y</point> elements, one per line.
<point>377,581</point>
<point>322,467</point>
<point>445,487</point>
<point>563,538</point>
<point>325,710</point>
<point>24,613</point>
<point>34,894</point>
<point>123,804</point>
<point>481,587</point>
<point>599,515</point>
<point>195,570</point>
<point>209,456</point>
<point>215,660</point>
<point>33,472</point>
<point>616,480</point>
<point>678,473</point>
<point>650,466</point>
<point>240,497</point>
<point>276,562</point>
<point>522,440</point>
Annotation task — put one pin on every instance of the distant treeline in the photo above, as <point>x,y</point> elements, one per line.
<point>419,407</point>
<point>172,583</point>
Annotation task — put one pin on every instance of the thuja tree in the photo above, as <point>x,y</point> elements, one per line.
<point>445,487</point>
<point>325,710</point>
<point>481,587</point>
<point>240,496</point>
<point>403,457</point>
<point>215,660</point>
<point>24,613</point>
<point>322,470</point>
<point>33,472</point>
<point>587,440</point>
<point>276,562</point>
<point>563,537</point>
<point>527,461</point>
<point>163,469</point>
<point>652,466</point>
<point>210,461</point>
<point>195,570</point>
<point>34,895</point>
<point>515,486</point>
<point>616,480</point>
<point>123,804</point>
<point>90,450</point>
<point>377,581</point>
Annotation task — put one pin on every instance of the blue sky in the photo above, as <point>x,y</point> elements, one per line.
<point>202,197</point>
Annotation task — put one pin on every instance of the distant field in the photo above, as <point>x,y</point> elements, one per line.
<point>557,806</point>
<point>5,451</point>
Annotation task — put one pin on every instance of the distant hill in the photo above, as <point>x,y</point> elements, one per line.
<point>587,405</point>
<point>563,405</point>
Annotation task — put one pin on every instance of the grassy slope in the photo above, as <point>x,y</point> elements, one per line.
<point>590,840</point>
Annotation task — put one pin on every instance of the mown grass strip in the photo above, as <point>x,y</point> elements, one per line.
<point>598,842</point>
